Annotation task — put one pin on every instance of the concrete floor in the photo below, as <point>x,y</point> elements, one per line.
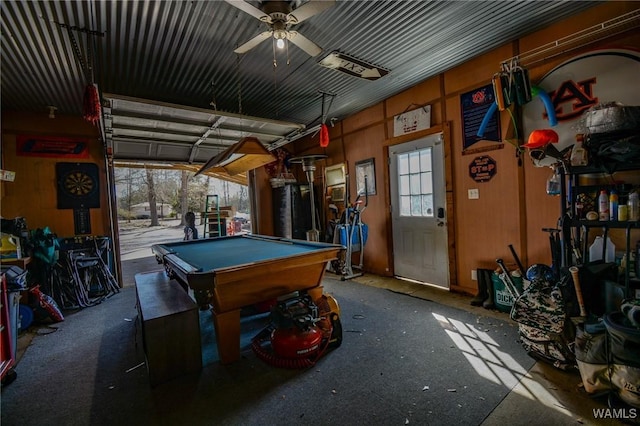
<point>560,391</point>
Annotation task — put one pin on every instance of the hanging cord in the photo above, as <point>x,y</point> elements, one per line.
<point>214,104</point>
<point>91,107</point>
<point>85,65</point>
<point>275,82</point>
<point>76,51</point>
<point>273,49</point>
<point>240,112</point>
<point>239,84</point>
<point>286,45</point>
<point>90,54</point>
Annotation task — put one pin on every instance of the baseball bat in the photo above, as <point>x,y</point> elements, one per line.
<point>576,286</point>
<point>518,262</point>
<point>511,286</point>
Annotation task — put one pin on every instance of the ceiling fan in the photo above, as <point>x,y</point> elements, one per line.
<point>280,16</point>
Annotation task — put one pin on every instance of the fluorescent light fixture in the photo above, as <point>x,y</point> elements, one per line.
<point>352,66</point>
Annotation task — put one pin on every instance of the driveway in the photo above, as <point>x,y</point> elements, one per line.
<point>136,236</point>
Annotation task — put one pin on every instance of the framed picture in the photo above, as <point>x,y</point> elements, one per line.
<point>334,175</point>
<point>336,193</point>
<point>366,168</point>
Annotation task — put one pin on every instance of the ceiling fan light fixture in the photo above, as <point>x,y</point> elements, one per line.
<point>280,17</point>
<point>280,35</point>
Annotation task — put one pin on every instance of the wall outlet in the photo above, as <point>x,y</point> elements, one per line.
<point>474,194</point>
<point>474,274</point>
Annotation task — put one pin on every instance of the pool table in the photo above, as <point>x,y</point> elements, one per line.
<point>242,270</point>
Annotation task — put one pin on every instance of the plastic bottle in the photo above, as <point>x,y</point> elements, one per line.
<point>578,153</point>
<point>553,183</point>
<point>633,207</point>
<point>596,249</point>
<point>603,205</point>
<point>613,206</point>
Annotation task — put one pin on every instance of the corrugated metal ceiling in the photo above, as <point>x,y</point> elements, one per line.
<point>181,53</point>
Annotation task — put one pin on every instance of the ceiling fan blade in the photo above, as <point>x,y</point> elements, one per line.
<point>254,42</point>
<point>304,43</point>
<point>307,10</point>
<point>251,10</point>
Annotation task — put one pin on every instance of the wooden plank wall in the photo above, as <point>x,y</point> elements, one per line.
<point>513,206</point>
<point>33,194</point>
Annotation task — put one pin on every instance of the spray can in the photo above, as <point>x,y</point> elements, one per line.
<point>613,205</point>
<point>603,205</point>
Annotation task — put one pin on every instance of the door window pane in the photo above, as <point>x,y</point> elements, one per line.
<point>415,180</point>
<point>404,185</point>
<point>414,162</point>
<point>427,205</point>
<point>416,205</point>
<point>415,184</point>
<point>425,160</point>
<point>405,206</point>
<point>426,181</point>
<point>403,164</point>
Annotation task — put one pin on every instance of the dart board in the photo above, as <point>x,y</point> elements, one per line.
<point>78,185</point>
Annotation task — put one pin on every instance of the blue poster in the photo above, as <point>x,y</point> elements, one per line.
<point>474,106</point>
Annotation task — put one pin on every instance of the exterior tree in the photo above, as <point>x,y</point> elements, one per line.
<point>184,195</point>
<point>181,189</point>
<point>151,191</point>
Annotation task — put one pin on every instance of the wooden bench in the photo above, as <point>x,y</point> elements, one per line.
<point>170,327</point>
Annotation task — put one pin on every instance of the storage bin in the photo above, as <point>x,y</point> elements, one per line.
<point>624,346</point>
<point>501,296</point>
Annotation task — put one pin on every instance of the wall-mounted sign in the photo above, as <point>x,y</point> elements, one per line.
<point>51,146</point>
<point>412,121</point>
<point>352,66</point>
<point>482,168</point>
<point>7,175</point>
<point>474,106</point>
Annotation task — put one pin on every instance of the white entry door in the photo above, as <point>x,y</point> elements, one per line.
<point>418,211</point>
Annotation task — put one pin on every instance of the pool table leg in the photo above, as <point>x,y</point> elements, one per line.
<point>227,326</point>
<point>315,293</point>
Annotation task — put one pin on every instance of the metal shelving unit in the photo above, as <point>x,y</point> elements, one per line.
<point>569,190</point>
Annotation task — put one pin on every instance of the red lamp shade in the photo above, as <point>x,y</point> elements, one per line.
<point>324,136</point>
